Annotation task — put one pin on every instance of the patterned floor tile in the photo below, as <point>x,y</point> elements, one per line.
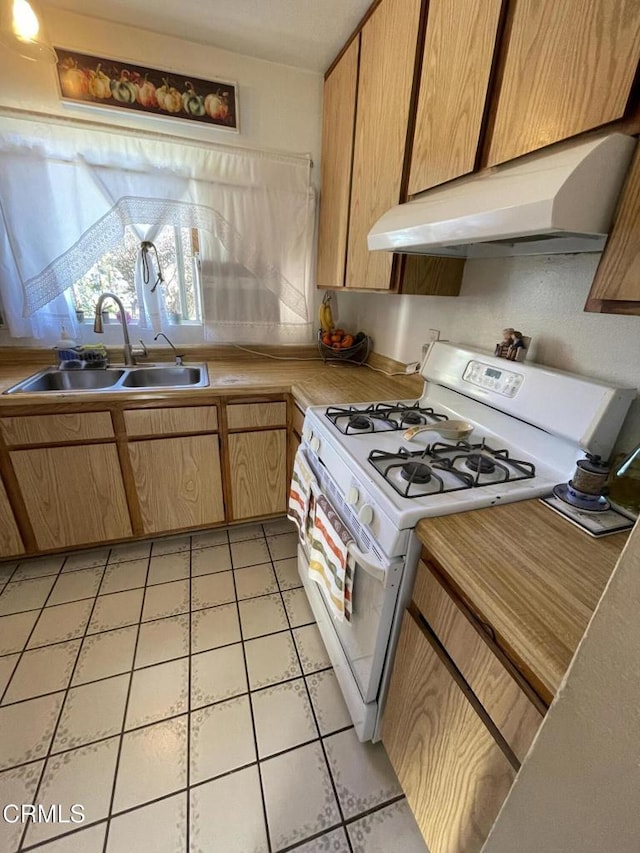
<point>171,545</point>
<point>211,590</point>
<point>208,561</point>
<point>284,546</point>
<point>162,640</point>
<point>42,671</point>
<point>245,531</point>
<point>76,585</point>
<point>214,809</point>
<point>83,776</point>
<point>91,712</point>
<point>61,622</point>
<point>271,660</point>
<point>86,560</point>
<point>255,580</point>
<point>26,729</point>
<point>39,567</point>
<point>332,842</point>
<point>298,607</point>
<point>25,595</point>
<point>7,664</point>
<point>15,630</point>
<point>331,711</point>
<point>362,773</point>
<point>168,567</point>
<point>158,692</point>
<point>287,573</point>
<point>249,553</point>
<point>209,539</point>
<point>167,599</point>
<point>221,739</point>
<point>214,626</point>
<point>130,551</point>
<point>89,840</point>
<point>160,827</point>
<point>283,717</point>
<point>153,762</point>
<point>296,811</point>
<point>122,576</point>
<point>105,654</point>
<point>264,615</point>
<point>17,786</point>
<point>393,827</point>
<point>278,526</point>
<point>217,674</point>
<point>311,648</point>
<point>116,610</point>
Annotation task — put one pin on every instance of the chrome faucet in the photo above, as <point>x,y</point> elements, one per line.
<point>129,352</point>
<point>179,355</point>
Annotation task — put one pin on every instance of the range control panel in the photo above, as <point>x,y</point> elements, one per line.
<point>505,382</point>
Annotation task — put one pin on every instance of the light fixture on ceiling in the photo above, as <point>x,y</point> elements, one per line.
<point>22,30</point>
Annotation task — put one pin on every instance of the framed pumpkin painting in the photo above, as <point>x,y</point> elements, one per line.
<point>119,85</point>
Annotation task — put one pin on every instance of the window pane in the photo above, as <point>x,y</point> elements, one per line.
<point>113,272</point>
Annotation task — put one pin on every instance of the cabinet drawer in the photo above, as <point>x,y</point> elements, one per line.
<point>507,704</point>
<point>453,772</point>
<point>297,420</point>
<point>251,415</point>
<point>173,420</point>
<point>56,429</point>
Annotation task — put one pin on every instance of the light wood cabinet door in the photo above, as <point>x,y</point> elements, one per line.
<point>453,772</point>
<point>74,495</point>
<point>456,67</point>
<point>338,117</point>
<point>387,59</point>
<point>178,482</point>
<point>56,429</point>
<point>258,464</point>
<point>567,67</point>
<point>10,539</point>
<point>616,286</point>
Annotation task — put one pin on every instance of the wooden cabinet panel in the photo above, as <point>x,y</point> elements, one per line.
<point>456,66</point>
<point>171,420</point>
<point>178,481</point>
<point>567,67</point>
<point>73,495</point>
<point>454,774</point>
<point>256,415</point>
<point>511,710</point>
<point>387,60</point>
<point>297,420</point>
<point>338,118</point>
<point>10,539</point>
<point>617,278</point>
<point>258,463</point>
<point>56,429</point>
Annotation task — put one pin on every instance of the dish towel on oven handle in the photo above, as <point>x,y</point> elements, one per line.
<point>301,495</point>
<point>330,564</point>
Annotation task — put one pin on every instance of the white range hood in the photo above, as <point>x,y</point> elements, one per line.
<point>558,200</point>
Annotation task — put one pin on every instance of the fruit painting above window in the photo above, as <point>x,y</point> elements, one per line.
<point>122,85</point>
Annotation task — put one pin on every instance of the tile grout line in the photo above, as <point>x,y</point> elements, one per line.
<point>189,678</point>
<point>66,693</point>
<point>315,720</point>
<point>253,722</point>
<point>124,715</point>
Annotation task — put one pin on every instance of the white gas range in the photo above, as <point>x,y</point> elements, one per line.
<point>530,426</point>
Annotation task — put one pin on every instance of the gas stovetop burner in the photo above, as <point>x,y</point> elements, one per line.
<point>416,472</point>
<point>381,417</point>
<point>478,463</point>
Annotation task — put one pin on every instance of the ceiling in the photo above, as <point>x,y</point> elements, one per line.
<point>304,33</point>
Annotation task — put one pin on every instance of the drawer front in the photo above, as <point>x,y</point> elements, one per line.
<point>453,772</point>
<point>174,420</point>
<point>507,704</point>
<point>56,429</point>
<point>297,420</point>
<point>251,415</point>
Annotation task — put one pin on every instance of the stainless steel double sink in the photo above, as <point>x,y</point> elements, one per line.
<point>114,379</point>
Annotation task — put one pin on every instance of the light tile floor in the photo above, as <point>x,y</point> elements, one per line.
<point>179,690</point>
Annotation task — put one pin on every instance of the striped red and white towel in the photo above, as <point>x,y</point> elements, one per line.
<point>300,495</point>
<point>330,564</point>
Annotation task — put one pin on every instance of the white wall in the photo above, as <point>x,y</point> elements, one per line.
<point>542,296</point>
<point>578,790</point>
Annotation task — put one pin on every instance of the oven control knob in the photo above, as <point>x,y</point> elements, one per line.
<point>353,496</point>
<point>366,514</point>
<point>315,443</point>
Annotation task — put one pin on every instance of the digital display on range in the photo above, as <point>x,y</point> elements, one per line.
<point>494,374</point>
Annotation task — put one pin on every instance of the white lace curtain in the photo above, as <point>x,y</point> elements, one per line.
<point>68,193</point>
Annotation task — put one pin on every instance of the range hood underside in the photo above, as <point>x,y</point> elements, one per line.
<point>553,243</point>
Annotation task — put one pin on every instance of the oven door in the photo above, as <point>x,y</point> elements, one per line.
<point>365,639</point>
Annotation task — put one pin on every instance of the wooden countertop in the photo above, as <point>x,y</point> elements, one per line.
<point>310,382</point>
<point>529,573</point>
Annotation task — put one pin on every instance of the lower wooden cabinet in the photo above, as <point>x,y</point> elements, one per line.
<point>451,768</point>
<point>10,539</point>
<point>178,482</point>
<point>258,468</point>
<point>74,495</point>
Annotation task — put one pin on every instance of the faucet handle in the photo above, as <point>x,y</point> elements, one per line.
<point>141,351</point>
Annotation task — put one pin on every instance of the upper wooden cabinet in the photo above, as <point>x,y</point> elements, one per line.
<point>566,67</point>
<point>338,118</point>
<point>616,286</point>
<point>456,67</point>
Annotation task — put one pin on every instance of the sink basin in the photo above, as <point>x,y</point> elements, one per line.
<point>118,379</point>
<point>163,377</point>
